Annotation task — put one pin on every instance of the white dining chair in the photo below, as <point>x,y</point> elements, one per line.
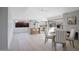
<point>60,37</point>
<point>71,37</point>
<point>48,36</point>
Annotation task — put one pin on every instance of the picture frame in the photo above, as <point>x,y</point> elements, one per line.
<point>72,20</point>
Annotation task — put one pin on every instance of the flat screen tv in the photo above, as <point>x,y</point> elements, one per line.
<point>21,24</point>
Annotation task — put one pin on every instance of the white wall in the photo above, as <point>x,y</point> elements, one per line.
<point>66,15</point>
<point>14,14</point>
<point>10,26</point>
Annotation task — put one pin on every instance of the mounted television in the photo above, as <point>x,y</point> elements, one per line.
<point>21,24</point>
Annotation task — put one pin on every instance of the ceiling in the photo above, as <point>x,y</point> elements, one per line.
<point>39,12</point>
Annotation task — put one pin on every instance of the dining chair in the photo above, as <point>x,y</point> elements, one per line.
<point>71,37</point>
<point>48,36</point>
<point>60,37</point>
